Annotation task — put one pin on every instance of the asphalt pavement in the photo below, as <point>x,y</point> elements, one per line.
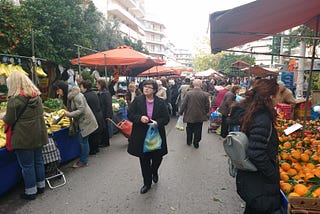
<point>191,181</point>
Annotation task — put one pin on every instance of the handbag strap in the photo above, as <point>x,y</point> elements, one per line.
<point>21,112</point>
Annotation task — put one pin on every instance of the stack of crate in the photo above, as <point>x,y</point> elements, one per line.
<point>299,110</point>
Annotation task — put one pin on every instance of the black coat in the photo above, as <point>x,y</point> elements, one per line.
<point>137,109</point>
<point>261,189</point>
<point>106,103</point>
<point>94,104</point>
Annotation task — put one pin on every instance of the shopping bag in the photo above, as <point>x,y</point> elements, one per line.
<point>153,139</point>
<point>179,124</point>
<point>8,131</point>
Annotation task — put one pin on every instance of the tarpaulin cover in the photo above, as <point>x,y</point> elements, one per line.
<point>246,23</point>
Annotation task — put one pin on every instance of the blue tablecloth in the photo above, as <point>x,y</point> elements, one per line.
<point>10,170</point>
<point>68,145</point>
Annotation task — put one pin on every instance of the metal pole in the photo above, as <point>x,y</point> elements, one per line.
<point>79,66</point>
<point>105,66</point>
<point>33,58</point>
<point>310,74</point>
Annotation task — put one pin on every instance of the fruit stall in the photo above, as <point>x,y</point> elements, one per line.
<point>57,127</point>
<point>299,161</point>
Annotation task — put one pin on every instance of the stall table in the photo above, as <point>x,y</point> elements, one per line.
<point>10,170</point>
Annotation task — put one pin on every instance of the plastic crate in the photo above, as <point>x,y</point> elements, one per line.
<point>314,115</point>
<point>286,109</point>
<point>302,105</point>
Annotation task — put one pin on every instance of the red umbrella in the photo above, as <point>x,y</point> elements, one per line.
<point>134,61</point>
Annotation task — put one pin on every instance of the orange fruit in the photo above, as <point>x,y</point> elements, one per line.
<point>287,145</point>
<point>284,176</point>
<point>285,166</point>
<point>310,166</point>
<point>308,175</point>
<point>316,192</point>
<point>300,189</point>
<point>316,172</point>
<point>286,187</point>
<point>293,194</point>
<point>296,166</point>
<point>292,172</point>
<point>304,157</point>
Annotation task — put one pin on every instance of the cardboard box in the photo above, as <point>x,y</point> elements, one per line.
<point>307,205</point>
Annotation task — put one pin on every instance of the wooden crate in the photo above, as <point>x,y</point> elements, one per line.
<point>303,205</point>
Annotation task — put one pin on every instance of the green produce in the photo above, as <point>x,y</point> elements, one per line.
<point>53,104</point>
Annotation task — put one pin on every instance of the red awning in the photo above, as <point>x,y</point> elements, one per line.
<point>240,64</point>
<point>260,72</point>
<point>253,21</point>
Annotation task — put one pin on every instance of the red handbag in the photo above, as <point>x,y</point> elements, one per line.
<point>125,127</point>
<point>8,131</point>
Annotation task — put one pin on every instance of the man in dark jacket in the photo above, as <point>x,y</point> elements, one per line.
<point>195,109</point>
<point>174,91</point>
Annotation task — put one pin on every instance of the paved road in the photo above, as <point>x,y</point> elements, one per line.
<point>191,181</point>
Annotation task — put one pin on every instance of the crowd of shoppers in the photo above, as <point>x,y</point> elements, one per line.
<point>151,106</point>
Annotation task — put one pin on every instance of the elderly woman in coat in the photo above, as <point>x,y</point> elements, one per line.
<point>143,110</point>
<point>84,118</point>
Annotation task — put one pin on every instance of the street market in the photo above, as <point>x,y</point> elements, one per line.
<point>121,73</point>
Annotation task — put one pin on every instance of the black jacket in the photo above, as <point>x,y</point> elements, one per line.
<point>106,103</point>
<point>94,104</point>
<point>261,189</point>
<point>160,114</point>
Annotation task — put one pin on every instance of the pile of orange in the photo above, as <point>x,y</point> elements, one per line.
<point>299,159</point>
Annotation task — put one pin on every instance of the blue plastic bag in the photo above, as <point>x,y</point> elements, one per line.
<point>153,139</point>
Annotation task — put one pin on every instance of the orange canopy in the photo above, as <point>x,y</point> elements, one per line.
<point>122,55</point>
<point>164,71</point>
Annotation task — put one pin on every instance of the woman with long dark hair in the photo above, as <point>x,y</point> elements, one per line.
<point>261,189</point>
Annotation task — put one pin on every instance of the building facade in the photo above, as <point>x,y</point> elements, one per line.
<point>155,38</point>
<point>183,56</point>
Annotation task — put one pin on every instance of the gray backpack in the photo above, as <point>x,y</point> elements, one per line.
<point>235,145</point>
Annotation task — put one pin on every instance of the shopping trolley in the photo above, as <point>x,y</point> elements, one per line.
<point>51,158</point>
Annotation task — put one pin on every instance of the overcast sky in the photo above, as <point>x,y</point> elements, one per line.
<point>187,21</point>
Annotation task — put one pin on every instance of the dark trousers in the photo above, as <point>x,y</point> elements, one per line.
<point>94,141</point>
<point>150,163</point>
<point>105,141</point>
<point>194,131</point>
<point>174,108</point>
<point>224,127</point>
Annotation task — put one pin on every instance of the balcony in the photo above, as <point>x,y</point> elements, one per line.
<point>157,42</point>
<point>128,3</point>
<point>126,18</point>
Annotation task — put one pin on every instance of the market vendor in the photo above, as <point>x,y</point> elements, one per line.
<point>285,95</point>
<point>61,89</point>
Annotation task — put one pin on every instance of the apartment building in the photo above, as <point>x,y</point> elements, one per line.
<point>155,37</point>
<point>183,56</point>
<point>128,13</point>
